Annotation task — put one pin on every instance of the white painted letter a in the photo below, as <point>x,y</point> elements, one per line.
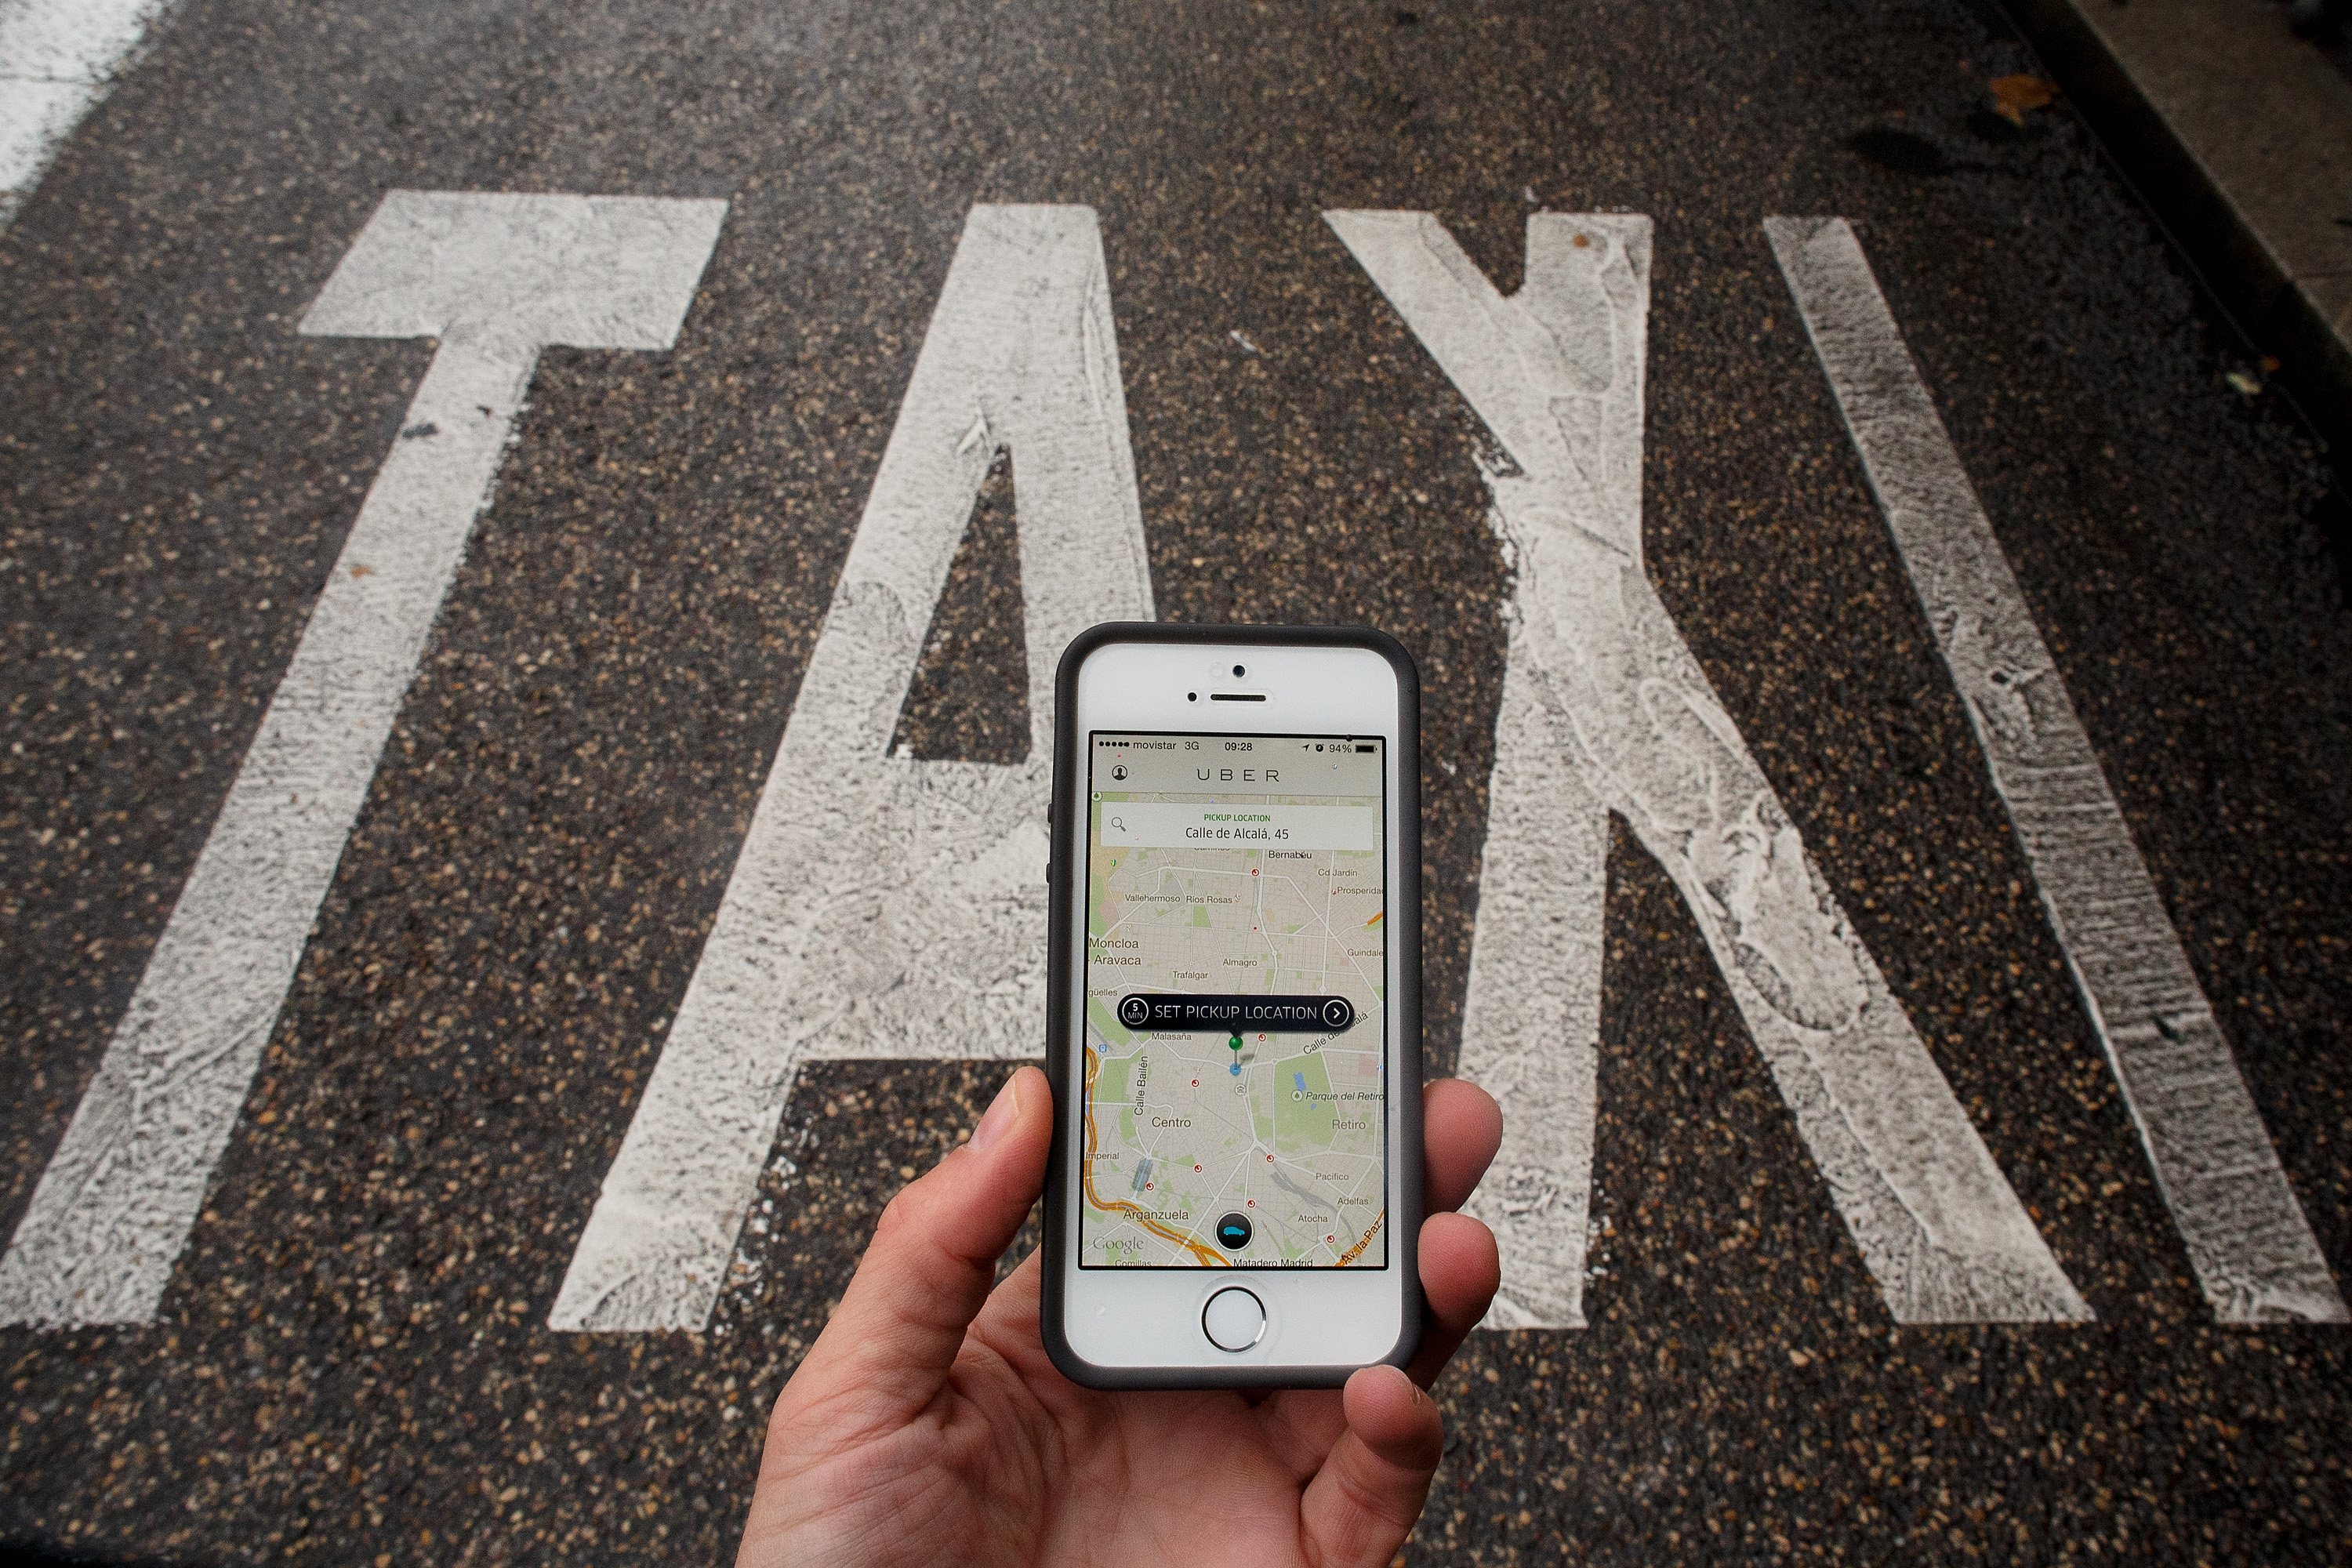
<point>881,907</point>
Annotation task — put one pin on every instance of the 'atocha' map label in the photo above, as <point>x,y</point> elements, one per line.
<point>1235,995</point>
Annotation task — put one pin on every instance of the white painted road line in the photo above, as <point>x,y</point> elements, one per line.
<point>2246,1235</point>
<point>494,277</point>
<point>1598,671</point>
<point>1532,1020</point>
<point>884,907</point>
<point>58,57</point>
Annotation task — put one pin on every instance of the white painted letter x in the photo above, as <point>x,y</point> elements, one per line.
<point>1604,709</point>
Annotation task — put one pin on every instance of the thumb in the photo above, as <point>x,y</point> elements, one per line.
<point>1364,1501</point>
<point>929,1268</point>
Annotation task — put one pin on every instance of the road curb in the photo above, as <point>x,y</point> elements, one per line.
<point>2240,136</point>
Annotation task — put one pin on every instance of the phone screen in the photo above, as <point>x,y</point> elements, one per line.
<point>1235,1096</point>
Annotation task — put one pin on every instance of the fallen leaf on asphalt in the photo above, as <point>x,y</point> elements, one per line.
<point>2013,95</point>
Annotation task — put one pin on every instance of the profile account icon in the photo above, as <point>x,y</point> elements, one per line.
<point>1118,771</point>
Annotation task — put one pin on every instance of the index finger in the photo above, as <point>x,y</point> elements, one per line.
<point>1461,1128</point>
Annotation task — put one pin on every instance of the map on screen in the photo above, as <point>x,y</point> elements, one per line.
<point>1234,909</point>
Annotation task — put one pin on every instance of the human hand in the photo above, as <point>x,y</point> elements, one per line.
<point>927,1425</point>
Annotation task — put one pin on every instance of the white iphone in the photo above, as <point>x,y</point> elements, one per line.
<point>1234,1019</point>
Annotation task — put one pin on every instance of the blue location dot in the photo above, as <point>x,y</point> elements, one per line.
<point>1235,1069</point>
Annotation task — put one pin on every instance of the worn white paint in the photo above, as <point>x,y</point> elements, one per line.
<point>494,277</point>
<point>884,907</point>
<point>57,58</point>
<point>1532,1020</point>
<point>1606,710</point>
<point>2247,1236</point>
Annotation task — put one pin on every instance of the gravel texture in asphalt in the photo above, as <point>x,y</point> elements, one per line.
<point>352,1362</point>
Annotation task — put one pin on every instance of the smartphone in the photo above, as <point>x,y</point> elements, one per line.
<point>1233,1009</point>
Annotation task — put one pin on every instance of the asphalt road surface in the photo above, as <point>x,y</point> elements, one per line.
<point>1897,893</point>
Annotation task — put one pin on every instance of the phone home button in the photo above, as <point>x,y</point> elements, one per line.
<point>1234,1319</point>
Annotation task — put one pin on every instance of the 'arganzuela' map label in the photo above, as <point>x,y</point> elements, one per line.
<point>1236,866</point>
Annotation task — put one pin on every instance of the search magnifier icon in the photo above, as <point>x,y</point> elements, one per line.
<point>1116,826</point>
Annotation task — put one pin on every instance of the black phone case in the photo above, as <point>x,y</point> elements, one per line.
<point>1066,822</point>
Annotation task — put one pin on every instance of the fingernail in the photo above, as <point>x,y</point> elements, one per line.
<point>999,1117</point>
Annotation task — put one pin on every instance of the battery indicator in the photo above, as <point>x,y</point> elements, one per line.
<point>1367,748</point>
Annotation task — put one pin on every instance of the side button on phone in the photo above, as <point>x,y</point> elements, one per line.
<point>1234,1319</point>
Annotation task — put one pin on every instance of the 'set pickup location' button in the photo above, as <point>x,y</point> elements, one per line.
<point>1260,1014</point>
